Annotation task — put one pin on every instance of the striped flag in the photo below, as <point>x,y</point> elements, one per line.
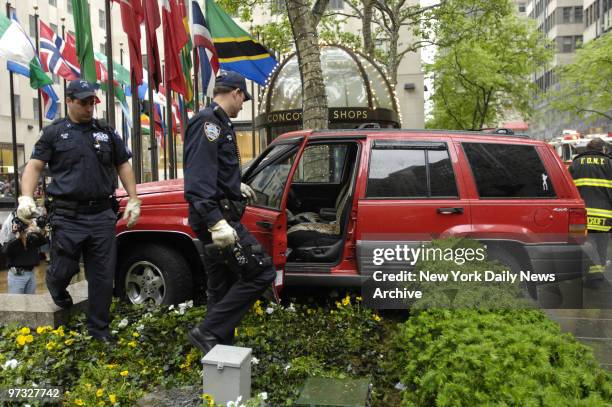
<point>207,54</point>
<point>51,50</point>
<point>236,49</point>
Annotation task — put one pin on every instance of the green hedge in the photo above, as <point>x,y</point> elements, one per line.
<point>515,357</point>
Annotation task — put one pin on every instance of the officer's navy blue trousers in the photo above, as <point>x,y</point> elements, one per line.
<point>230,298</point>
<point>93,236</point>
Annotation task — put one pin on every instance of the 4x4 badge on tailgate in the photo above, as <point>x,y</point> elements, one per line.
<point>560,209</point>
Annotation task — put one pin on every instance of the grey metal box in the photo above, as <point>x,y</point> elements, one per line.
<point>227,373</point>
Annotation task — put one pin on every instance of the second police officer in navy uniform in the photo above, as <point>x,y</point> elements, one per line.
<point>238,271</point>
<point>84,156</point>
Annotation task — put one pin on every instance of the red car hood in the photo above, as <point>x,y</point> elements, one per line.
<point>154,187</point>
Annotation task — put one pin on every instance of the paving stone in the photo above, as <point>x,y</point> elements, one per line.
<point>188,396</point>
<point>39,309</point>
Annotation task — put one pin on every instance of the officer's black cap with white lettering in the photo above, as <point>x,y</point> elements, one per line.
<point>234,80</point>
<point>80,89</point>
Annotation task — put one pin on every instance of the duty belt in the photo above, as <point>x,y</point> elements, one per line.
<point>82,207</point>
<point>18,271</point>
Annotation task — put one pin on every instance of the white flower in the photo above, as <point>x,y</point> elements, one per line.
<point>171,307</point>
<point>254,361</point>
<point>181,311</point>
<point>114,332</point>
<point>147,315</point>
<point>263,395</point>
<point>189,303</point>
<point>123,323</point>
<point>291,308</point>
<point>288,367</point>
<point>400,386</point>
<point>12,363</point>
<point>269,310</point>
<point>140,327</point>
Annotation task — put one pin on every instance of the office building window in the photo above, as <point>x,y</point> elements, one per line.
<point>17,101</point>
<point>102,18</point>
<point>32,21</point>
<point>578,14</point>
<point>522,8</point>
<point>35,107</point>
<point>567,15</point>
<point>53,3</point>
<point>54,28</point>
<point>335,5</point>
<point>277,6</point>
<point>69,6</point>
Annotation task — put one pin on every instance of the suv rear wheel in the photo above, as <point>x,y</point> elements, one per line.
<point>154,273</point>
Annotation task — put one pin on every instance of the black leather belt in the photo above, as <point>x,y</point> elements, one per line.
<point>82,207</point>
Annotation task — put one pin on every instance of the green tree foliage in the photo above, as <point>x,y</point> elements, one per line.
<point>586,83</point>
<point>484,58</point>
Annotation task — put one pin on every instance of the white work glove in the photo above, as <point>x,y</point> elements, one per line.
<point>223,234</point>
<point>26,209</point>
<point>248,193</point>
<point>132,211</point>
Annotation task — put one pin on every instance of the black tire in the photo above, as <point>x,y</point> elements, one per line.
<point>508,259</point>
<point>156,273</point>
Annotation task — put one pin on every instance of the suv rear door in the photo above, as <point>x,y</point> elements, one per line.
<point>266,218</point>
<point>413,192</point>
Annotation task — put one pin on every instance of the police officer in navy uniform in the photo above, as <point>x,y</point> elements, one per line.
<point>84,156</point>
<point>216,199</point>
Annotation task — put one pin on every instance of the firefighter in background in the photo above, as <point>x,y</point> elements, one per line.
<point>592,173</point>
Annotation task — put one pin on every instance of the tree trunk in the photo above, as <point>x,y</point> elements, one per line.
<point>393,58</point>
<point>314,100</point>
<point>368,14</point>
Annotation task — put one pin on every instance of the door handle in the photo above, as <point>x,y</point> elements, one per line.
<point>264,224</point>
<point>449,211</point>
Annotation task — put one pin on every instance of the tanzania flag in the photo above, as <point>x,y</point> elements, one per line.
<point>236,49</point>
<point>186,61</point>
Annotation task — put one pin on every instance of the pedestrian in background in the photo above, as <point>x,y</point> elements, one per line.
<point>85,155</point>
<point>592,173</point>
<point>21,245</point>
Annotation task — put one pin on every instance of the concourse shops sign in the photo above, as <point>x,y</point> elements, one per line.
<point>336,115</point>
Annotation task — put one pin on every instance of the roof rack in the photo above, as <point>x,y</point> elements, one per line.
<point>434,131</point>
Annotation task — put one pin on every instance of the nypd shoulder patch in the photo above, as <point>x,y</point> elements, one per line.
<point>212,131</point>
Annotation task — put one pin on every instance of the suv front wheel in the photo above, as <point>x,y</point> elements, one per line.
<point>154,273</point>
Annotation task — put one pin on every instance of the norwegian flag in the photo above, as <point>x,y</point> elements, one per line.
<point>51,53</point>
<point>70,55</point>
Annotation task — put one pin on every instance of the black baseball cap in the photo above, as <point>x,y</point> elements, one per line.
<point>80,89</point>
<point>233,80</point>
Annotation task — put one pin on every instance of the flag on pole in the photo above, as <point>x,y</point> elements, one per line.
<point>236,49</point>
<point>207,54</point>
<point>84,41</point>
<point>186,52</point>
<point>132,15</point>
<point>175,39</point>
<point>153,21</point>
<point>70,54</point>
<point>17,47</point>
<point>50,51</point>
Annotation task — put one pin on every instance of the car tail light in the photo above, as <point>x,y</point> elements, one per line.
<point>577,223</point>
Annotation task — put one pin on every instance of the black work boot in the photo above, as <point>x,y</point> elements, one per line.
<point>203,340</point>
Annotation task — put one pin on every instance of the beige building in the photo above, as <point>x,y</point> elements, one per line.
<point>568,23</point>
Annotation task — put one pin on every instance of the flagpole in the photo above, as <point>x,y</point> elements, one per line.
<point>110,92</point>
<point>152,139</point>
<point>196,89</point>
<point>13,123</point>
<point>123,129</point>
<point>169,123</point>
<point>64,39</point>
<point>40,110</point>
<point>163,113</point>
<point>136,142</point>
<point>253,117</point>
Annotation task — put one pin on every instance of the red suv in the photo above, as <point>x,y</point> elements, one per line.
<point>325,195</point>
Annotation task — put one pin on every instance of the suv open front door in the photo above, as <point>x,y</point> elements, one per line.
<point>266,218</point>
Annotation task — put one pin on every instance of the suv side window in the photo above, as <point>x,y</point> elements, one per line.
<point>322,164</point>
<point>270,176</point>
<point>410,170</point>
<point>508,171</point>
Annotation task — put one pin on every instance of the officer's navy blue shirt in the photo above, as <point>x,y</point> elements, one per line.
<point>78,171</point>
<point>212,168</point>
